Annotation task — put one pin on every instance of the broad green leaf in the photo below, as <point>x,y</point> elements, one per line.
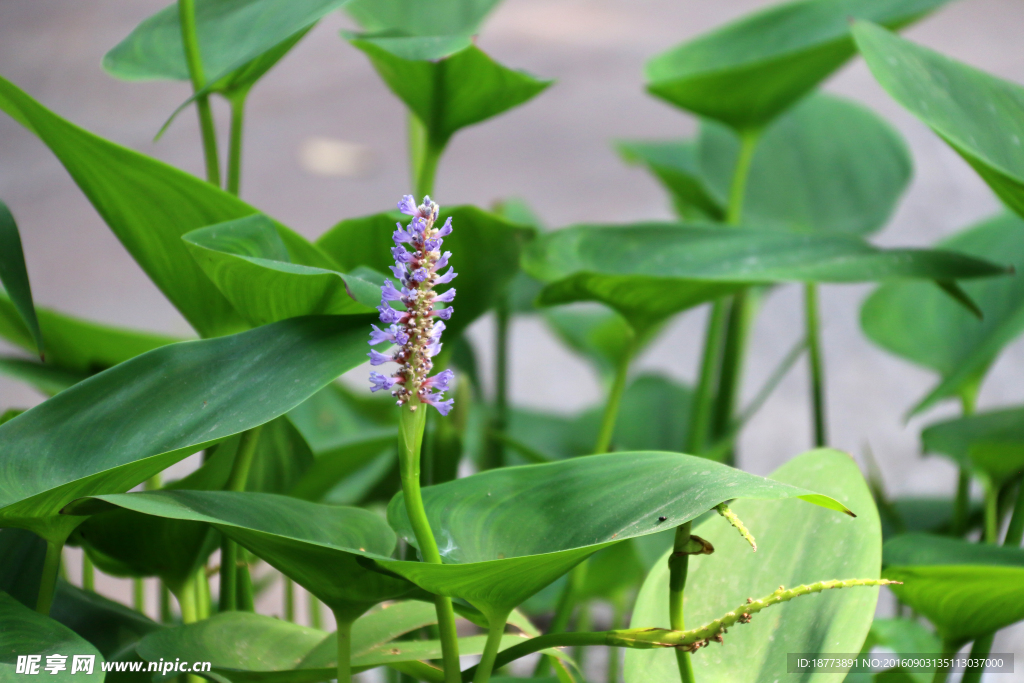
<point>148,204</point>
<point>421,17</point>
<point>977,114</point>
<point>27,632</point>
<point>829,165</point>
<point>323,548</point>
<point>230,33</point>
<point>74,345</point>
<point>923,514</point>
<point>253,268</point>
<point>45,378</point>
<point>14,275</point>
<point>450,92</point>
<point>602,336</point>
<point>991,442</point>
<point>916,321</point>
<point>485,253</point>
<point>122,426</point>
<point>110,626</point>
<point>650,271</point>
<point>23,553</point>
<point>507,533</point>
<point>796,544</point>
<point>747,72</point>
<point>965,589</point>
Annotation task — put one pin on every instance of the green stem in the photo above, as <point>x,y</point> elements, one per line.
<point>48,580</point>
<point>228,576</point>
<point>237,102</point>
<point>165,604</point>
<point>204,604</point>
<point>678,564</point>
<point>495,632</point>
<point>816,363</point>
<point>139,595</point>
<point>289,599</point>
<point>1015,532</point>
<point>942,672</point>
<point>618,617</point>
<point>962,504</point>
<point>704,398</point>
<point>230,581</point>
<point>344,638</point>
<point>424,156</point>
<point>738,187</point>
<point>979,650</point>
<point>741,318</point>
<point>188,601</point>
<point>611,408</point>
<point>991,511</point>
<point>496,447</point>
<point>563,611</point>
<point>190,43</point>
<point>88,572</point>
<point>314,611</point>
<point>410,435</point>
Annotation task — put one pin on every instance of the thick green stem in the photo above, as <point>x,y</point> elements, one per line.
<point>410,435</point>
<point>962,504</point>
<point>678,564</point>
<point>704,398</point>
<point>344,639</point>
<point>424,156</point>
<point>495,631</point>
<point>816,363</point>
<point>230,570</point>
<point>496,446</point>
<point>48,580</point>
<point>991,511</point>
<point>314,611</point>
<point>165,604</point>
<point>139,595</point>
<point>289,599</point>
<point>237,102</point>
<point>228,576</point>
<point>190,43</point>
<point>741,318</point>
<point>611,408</point>
<point>979,650</point>
<point>1015,532</point>
<point>88,572</point>
<point>738,188</point>
<point>188,601</point>
<point>942,672</point>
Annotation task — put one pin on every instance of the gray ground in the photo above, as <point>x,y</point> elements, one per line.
<point>554,152</point>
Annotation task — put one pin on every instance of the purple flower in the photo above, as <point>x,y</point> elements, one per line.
<point>380,381</point>
<point>417,330</point>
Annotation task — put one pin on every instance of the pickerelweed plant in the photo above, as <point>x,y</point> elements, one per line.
<point>461,531</point>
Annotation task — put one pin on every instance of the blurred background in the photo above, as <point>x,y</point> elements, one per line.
<point>325,140</point>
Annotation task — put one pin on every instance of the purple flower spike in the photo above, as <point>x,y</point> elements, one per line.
<point>416,331</point>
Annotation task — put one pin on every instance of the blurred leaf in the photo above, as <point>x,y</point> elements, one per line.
<point>485,253</point>
<point>904,637</point>
<point>118,428</point>
<point>650,271</point>
<point>45,378</point>
<point>110,626</point>
<point>991,442</point>
<point>916,321</point>
<point>448,92</point>
<point>231,34</point>
<point>796,545</point>
<point>979,115</point>
<point>421,17</point>
<point>149,206</point>
<point>676,164</point>
<point>14,275</point>
<point>925,514</point>
<point>749,71</point>
<point>600,335</point>
<point>27,632</point>
<point>254,269</point>
<point>323,548</point>
<point>507,533</point>
<point>965,589</point>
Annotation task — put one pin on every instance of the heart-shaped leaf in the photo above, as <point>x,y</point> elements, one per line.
<point>448,92</point>
<point>252,266</point>
<point>485,253</point>
<point>979,115</point>
<point>916,321</point>
<point>122,426</point>
<point>829,165</point>
<point>966,590</point>
<point>230,33</point>
<point>747,72</point>
<point>323,548</point>
<point>14,275</point>
<point>507,533</point>
<point>796,544</point>
<point>650,271</point>
<point>991,442</point>
<point>28,633</point>
<point>149,205</point>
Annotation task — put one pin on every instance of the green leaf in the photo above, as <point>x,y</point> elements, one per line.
<point>253,268</point>
<point>977,114</point>
<point>148,204</point>
<point>27,632</point>
<point>507,533</point>
<point>110,626</point>
<point>991,442</point>
<point>230,33</point>
<point>676,164</point>
<point>965,589</point>
<point>323,548</point>
<point>796,544</point>
<point>650,271</point>
<point>448,92</point>
<point>45,378</point>
<point>118,428</point>
<point>747,72</point>
<point>602,336</point>
<point>485,253</point>
<point>14,275</point>
<point>421,17</point>
<point>916,321</point>
<point>23,554</point>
